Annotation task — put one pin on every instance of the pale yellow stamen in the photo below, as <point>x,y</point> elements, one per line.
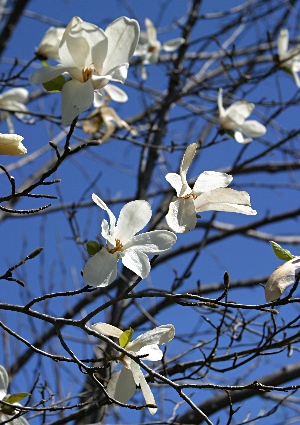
<point>188,196</point>
<point>87,73</point>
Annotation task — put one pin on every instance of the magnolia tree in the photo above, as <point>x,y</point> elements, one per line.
<point>150,254</point>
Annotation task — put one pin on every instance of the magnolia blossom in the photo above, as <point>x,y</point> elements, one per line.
<point>149,47</point>
<point>13,100</point>
<point>11,144</point>
<point>122,385</point>
<point>107,116</point>
<point>92,57</point>
<point>7,413</point>
<point>209,192</point>
<point>122,242</point>
<point>48,47</point>
<point>289,58</point>
<point>283,277</point>
<point>233,119</point>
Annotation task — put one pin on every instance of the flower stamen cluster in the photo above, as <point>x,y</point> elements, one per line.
<point>87,74</point>
<point>118,247</point>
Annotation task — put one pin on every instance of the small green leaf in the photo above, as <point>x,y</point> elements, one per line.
<point>93,247</point>
<point>15,398</point>
<point>282,254</point>
<point>125,337</point>
<point>55,85</point>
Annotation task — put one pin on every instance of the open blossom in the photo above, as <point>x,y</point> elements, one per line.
<point>149,47</point>
<point>210,192</point>
<point>92,57</point>
<point>289,59</point>
<point>11,144</point>
<point>234,120</point>
<point>6,413</point>
<point>122,242</point>
<point>13,100</point>
<point>49,45</point>
<point>283,277</point>
<point>122,385</point>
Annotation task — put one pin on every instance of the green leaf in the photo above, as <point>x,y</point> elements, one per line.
<point>15,398</point>
<point>93,247</point>
<point>282,254</point>
<point>55,85</point>
<point>125,337</point>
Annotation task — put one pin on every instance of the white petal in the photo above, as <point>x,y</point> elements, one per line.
<point>173,44</point>
<point>153,352</point>
<point>153,242</point>
<point>11,144</point>
<point>181,217</point>
<point>123,35</point>
<point>99,99</point>
<point>50,43</point>
<point>283,42</point>
<point>239,137</point>
<point>159,335</point>
<point>175,181</point>
<point>147,393</point>
<point>83,45</point>
<point>136,261</point>
<point>136,372</point>
<point>101,269</point>
<point>115,93</point>
<point>103,205</point>
<point>210,180</point>
<point>220,103</point>
<point>121,385</point>
<point>252,128</point>
<point>228,200</point>
<point>184,166</point>
<point>3,382</point>
<point>281,278</point>
<point>133,217</point>
<point>151,32</point>
<point>77,97</point>
<point>119,73</point>
<point>15,95</point>
<point>47,73</point>
<point>238,112</point>
<point>106,329</point>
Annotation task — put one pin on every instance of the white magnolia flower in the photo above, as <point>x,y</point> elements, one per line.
<point>149,47</point>
<point>289,58</point>
<point>11,144</point>
<point>233,119</point>
<point>13,100</point>
<point>122,242</point>
<point>93,58</point>
<point>5,412</point>
<point>210,192</point>
<point>122,385</point>
<point>48,47</point>
<point>283,277</point>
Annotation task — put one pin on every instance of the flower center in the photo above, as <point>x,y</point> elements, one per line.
<point>87,74</point>
<point>118,247</point>
<point>193,195</point>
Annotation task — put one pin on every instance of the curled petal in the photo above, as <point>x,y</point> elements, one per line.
<point>175,181</point>
<point>184,166</point>
<point>121,385</point>
<point>239,137</point>
<point>115,93</point>
<point>103,205</point>
<point>136,261</point>
<point>48,73</point>
<point>77,97</point>
<point>151,32</point>
<point>210,180</point>
<point>237,113</point>
<point>101,269</point>
<point>153,242</point>
<point>226,199</point>
<point>15,95</point>
<point>283,277</point>
<point>173,44</point>
<point>153,352</point>
<point>252,128</point>
<point>159,335</point>
<point>147,393</point>
<point>106,329</point>
<point>133,217</point>
<point>181,217</point>
<point>122,35</point>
